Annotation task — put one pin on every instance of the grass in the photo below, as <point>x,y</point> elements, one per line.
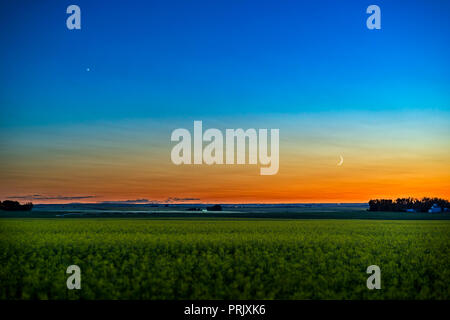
<point>223,259</point>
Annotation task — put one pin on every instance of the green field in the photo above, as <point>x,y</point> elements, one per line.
<point>223,258</point>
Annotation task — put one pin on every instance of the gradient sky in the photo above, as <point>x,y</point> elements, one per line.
<point>379,98</point>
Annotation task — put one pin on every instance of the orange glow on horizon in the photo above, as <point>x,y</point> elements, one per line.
<point>112,166</point>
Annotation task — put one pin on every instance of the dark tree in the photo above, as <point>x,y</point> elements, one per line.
<point>9,205</point>
<point>403,204</point>
<point>216,207</point>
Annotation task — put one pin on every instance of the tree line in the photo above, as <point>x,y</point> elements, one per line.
<point>403,204</point>
<point>9,205</point>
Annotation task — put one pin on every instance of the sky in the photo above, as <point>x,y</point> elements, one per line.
<point>86,115</point>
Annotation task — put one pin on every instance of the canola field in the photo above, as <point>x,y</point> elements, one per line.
<point>223,258</point>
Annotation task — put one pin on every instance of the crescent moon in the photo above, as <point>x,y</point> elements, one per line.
<point>341,161</point>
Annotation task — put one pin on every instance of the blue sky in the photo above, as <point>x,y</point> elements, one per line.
<point>378,98</point>
<point>163,59</point>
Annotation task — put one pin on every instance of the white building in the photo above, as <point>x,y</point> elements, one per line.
<point>435,208</point>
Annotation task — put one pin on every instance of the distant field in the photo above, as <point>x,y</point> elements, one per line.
<point>223,258</point>
<point>317,212</point>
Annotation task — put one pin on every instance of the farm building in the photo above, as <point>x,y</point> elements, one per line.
<point>435,208</point>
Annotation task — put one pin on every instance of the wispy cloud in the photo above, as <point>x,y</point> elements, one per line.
<point>43,197</point>
<point>148,201</point>
<point>37,197</point>
<point>141,201</point>
<point>175,199</point>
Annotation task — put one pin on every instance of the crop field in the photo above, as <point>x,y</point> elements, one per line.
<point>223,258</point>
